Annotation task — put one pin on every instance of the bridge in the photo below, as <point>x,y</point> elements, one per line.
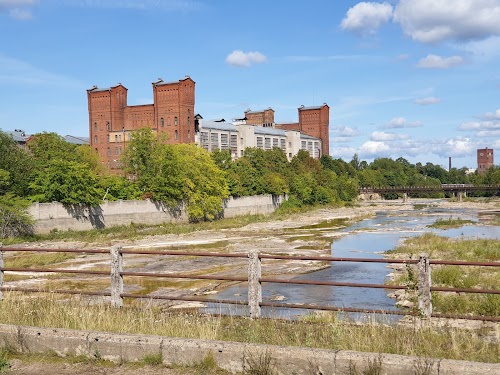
<point>456,189</point>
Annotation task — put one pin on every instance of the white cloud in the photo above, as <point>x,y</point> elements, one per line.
<point>345,131</point>
<point>428,100</point>
<point>341,139</point>
<point>18,9</point>
<point>366,17</point>
<point>431,21</point>
<point>373,148</point>
<point>245,59</point>
<point>401,122</point>
<point>483,49</point>
<point>480,125</point>
<point>343,152</point>
<point>383,136</point>
<point>439,62</point>
<point>493,115</point>
<point>488,133</point>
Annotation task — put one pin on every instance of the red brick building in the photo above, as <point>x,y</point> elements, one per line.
<point>111,120</point>
<point>484,160</point>
<point>313,121</point>
<point>263,118</point>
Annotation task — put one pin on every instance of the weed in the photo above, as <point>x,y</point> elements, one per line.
<point>372,367</point>
<point>259,363</point>
<point>423,366</point>
<point>450,223</point>
<point>4,361</point>
<point>153,359</point>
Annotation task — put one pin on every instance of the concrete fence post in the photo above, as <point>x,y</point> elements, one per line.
<point>405,197</point>
<point>1,271</point>
<point>424,286</point>
<point>460,196</point>
<point>116,277</point>
<point>254,285</point>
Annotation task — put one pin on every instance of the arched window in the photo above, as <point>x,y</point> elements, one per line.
<point>176,134</point>
<point>108,125</point>
<point>189,134</point>
<point>109,151</point>
<point>162,122</point>
<point>95,125</point>
<point>176,120</point>
<point>189,120</point>
<point>95,139</point>
<point>107,138</point>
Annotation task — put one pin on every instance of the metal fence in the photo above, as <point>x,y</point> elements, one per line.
<point>254,279</point>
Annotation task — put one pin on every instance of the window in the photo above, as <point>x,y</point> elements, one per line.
<point>214,141</point>
<point>176,134</point>
<point>267,143</point>
<point>107,138</point>
<point>108,125</point>
<point>275,142</point>
<point>260,143</point>
<point>169,122</point>
<point>95,139</point>
<point>109,151</point>
<point>162,122</point>
<point>224,142</point>
<point>116,137</point>
<point>189,120</point>
<point>120,151</point>
<point>176,121</point>
<point>234,141</point>
<point>303,145</point>
<point>189,134</point>
<point>95,125</point>
<point>204,140</point>
<point>116,150</point>
<point>283,144</point>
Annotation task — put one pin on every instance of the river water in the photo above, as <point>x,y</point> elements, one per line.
<point>365,239</point>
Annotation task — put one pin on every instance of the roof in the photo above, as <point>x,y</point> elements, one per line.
<point>17,135</point>
<point>160,81</point>
<point>269,131</point>
<point>77,140</point>
<point>261,111</point>
<point>302,108</point>
<point>305,136</point>
<point>213,125</point>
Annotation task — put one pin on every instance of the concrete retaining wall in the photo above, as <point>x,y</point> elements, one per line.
<point>49,216</point>
<point>231,356</point>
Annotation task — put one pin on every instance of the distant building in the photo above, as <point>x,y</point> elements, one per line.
<point>111,120</point>
<point>484,160</point>
<point>313,121</point>
<point>17,135</point>
<point>236,137</point>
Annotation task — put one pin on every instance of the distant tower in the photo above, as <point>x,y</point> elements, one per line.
<point>315,121</point>
<point>484,160</point>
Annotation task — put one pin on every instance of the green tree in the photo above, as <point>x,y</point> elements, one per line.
<point>68,182</point>
<point>204,184</point>
<point>14,218</point>
<point>17,166</point>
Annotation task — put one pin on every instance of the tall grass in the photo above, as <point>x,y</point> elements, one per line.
<point>75,313</point>
<point>458,276</point>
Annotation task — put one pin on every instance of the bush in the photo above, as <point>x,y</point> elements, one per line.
<point>14,218</point>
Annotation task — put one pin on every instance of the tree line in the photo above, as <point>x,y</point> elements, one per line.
<point>49,169</point>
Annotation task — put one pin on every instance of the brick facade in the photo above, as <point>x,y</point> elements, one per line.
<point>260,118</point>
<point>484,160</point>
<point>111,120</point>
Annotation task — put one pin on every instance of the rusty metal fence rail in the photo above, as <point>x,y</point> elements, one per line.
<point>254,278</point>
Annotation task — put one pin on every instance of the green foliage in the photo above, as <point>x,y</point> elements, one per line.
<point>4,361</point>
<point>153,359</point>
<point>16,166</point>
<point>68,182</point>
<point>118,187</point>
<point>204,186</point>
<point>14,218</point>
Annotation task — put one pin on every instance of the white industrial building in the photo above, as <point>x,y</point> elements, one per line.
<point>236,137</point>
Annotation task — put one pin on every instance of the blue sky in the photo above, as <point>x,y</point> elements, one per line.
<point>413,78</point>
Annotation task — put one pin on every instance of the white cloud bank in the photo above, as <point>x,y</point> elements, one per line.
<point>366,17</point>
<point>488,126</point>
<point>245,59</point>
<point>439,62</point>
<point>18,9</point>
<point>401,122</point>
<point>384,137</point>
<point>429,21</point>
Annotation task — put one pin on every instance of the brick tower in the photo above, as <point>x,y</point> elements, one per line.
<point>484,160</point>
<point>315,121</point>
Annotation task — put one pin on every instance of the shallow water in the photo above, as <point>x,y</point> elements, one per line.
<point>381,233</point>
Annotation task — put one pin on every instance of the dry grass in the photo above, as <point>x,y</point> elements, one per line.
<point>48,311</point>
